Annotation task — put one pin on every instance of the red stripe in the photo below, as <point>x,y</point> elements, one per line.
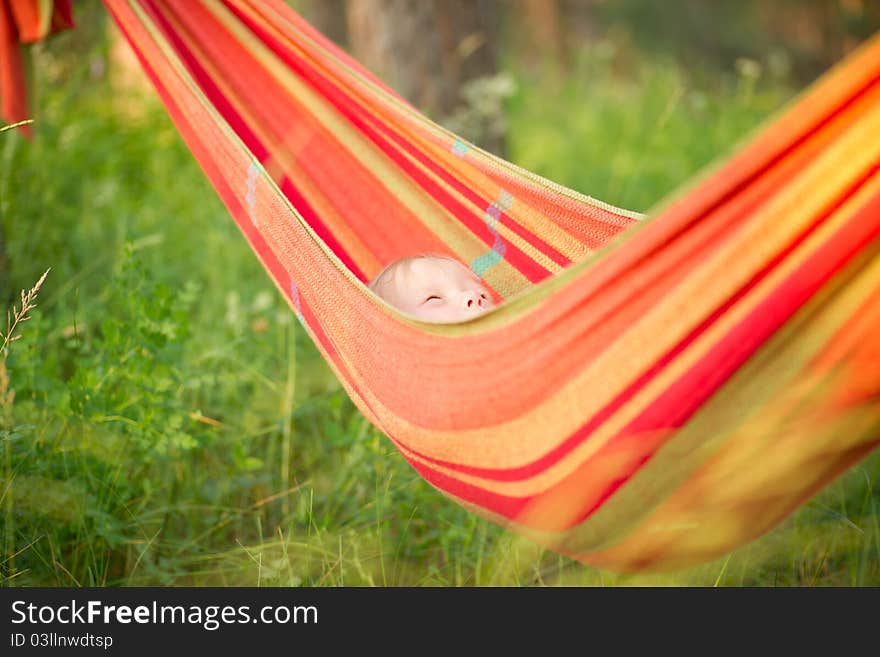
<point>205,82</point>
<point>503,218</point>
<point>503,505</point>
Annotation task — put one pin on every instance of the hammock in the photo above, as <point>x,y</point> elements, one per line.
<point>24,22</point>
<point>652,392</point>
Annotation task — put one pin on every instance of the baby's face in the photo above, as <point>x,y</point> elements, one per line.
<point>435,290</point>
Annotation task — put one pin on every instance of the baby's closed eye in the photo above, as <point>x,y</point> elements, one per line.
<point>433,297</point>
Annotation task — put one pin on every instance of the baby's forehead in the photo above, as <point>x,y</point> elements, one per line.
<point>434,265</point>
<point>433,269</point>
<point>420,271</point>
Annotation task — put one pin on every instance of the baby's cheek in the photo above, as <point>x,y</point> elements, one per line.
<point>402,300</point>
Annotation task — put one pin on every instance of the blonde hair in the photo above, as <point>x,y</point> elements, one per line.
<point>388,272</point>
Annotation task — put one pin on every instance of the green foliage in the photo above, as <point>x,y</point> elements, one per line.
<point>630,131</point>
<point>126,371</point>
<point>803,37</point>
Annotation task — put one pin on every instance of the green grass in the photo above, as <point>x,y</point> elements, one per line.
<point>173,425</point>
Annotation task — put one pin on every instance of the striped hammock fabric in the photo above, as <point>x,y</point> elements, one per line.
<point>651,392</point>
<point>24,21</point>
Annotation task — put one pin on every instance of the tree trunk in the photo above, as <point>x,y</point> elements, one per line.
<point>541,35</point>
<point>328,17</point>
<point>426,50</point>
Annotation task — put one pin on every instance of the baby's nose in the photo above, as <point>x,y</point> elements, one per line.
<point>473,300</point>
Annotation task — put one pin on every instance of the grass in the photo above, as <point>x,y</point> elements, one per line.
<point>172,424</point>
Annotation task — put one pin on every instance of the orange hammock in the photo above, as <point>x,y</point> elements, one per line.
<point>651,393</point>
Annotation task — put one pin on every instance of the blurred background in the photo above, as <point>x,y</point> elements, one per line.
<point>165,422</point>
<point>456,60</point>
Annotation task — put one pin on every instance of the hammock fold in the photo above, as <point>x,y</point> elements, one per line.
<point>22,22</point>
<point>653,392</point>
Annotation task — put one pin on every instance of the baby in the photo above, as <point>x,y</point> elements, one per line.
<point>433,288</point>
